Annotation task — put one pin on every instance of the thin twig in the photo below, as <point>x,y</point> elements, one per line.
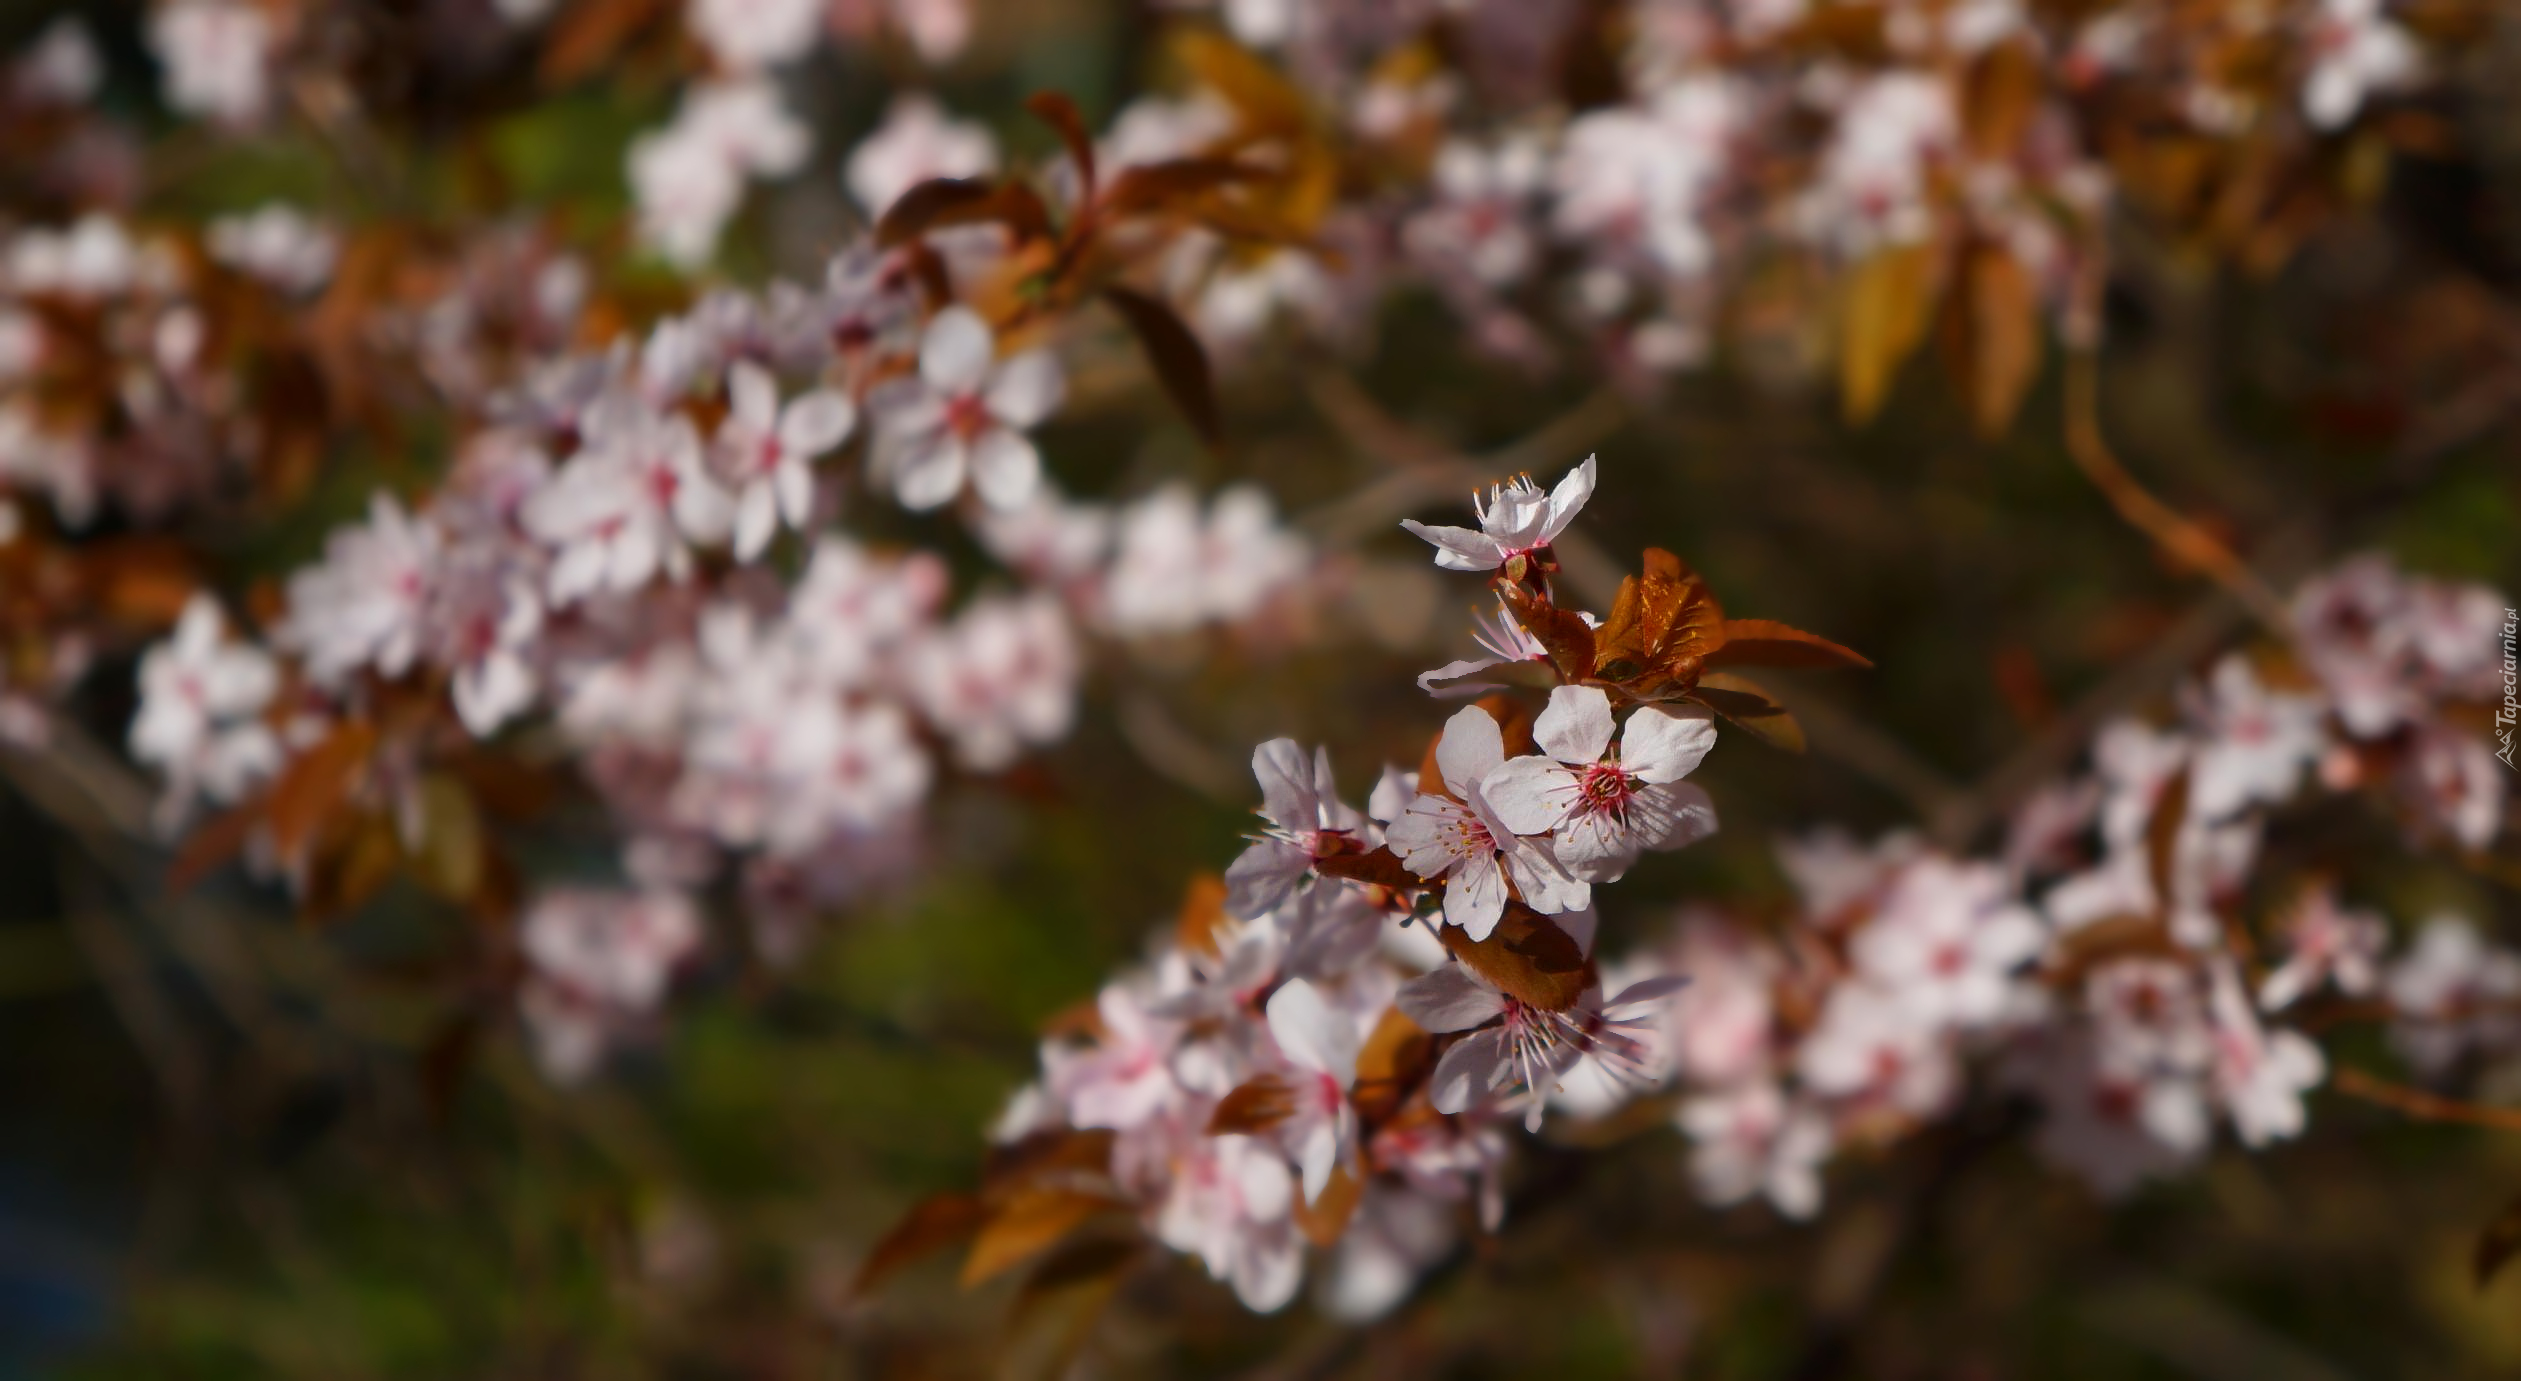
<point>2423,1106</point>
<point>2172,531</point>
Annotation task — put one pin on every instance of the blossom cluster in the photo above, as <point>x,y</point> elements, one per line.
<point>636,554</point>
<point>1331,1052</point>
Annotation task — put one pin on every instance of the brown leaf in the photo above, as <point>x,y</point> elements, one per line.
<point>1202,917</point>
<point>1993,336</point>
<point>1265,100</point>
<point>1527,956</point>
<point>1059,1303</point>
<point>1663,626</point>
<point>587,36</point>
<point>212,844</point>
<point>2497,1245</point>
<point>1747,706</point>
<point>1323,1220</point>
<point>315,782</point>
<point>1768,643</point>
<point>933,1224</point>
<point>2162,838</point>
<point>1024,1226</point>
<point>2076,952</point>
<point>1254,1106</point>
<point>1173,183</point>
<point>1381,868</point>
<point>1179,360</point>
<point>944,201</point>
<point>1059,112</point>
<point>1394,1058</point>
<point>1999,97</point>
<point>1563,633</point>
<point>1883,317</point>
<point>1062,1154</point>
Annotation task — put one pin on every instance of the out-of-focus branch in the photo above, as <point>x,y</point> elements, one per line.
<point>1423,468</point>
<point>2172,531</point>
<point>2423,1106</point>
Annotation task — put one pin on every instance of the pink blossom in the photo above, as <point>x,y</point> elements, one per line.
<point>1516,519</point>
<point>769,451</point>
<point>1458,838</point>
<point>964,417</point>
<point>1601,812</point>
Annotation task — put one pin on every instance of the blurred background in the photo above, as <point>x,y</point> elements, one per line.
<point>238,1145</point>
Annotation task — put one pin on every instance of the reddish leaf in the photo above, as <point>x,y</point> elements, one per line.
<point>1060,113</point>
<point>1180,362</point>
<point>944,201</point>
<point>1768,643</point>
<point>1265,99</point>
<point>2162,838</point>
<point>1662,627</point>
<point>1562,633</point>
<point>1062,1155</point>
<point>933,1224</point>
<point>1326,1218</point>
<point>1255,1106</point>
<point>1202,917</point>
<point>587,36</point>
<point>1745,705</point>
<point>1170,184</point>
<point>1393,1060</point>
<point>1527,956</point>
<point>315,783</point>
<point>1024,1226</point>
<point>212,844</point>
<point>1381,868</point>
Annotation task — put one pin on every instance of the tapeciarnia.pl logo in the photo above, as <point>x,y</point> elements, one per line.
<point>2510,711</point>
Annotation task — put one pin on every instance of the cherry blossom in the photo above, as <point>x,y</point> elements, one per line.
<point>1949,938</point>
<point>1751,1141</point>
<point>918,141</point>
<point>629,504</point>
<point>770,450</point>
<point>1320,1037</point>
<point>2255,742</point>
<point>217,57</point>
<point>600,962</point>
<point>365,604</point>
<point>2328,944</point>
<point>1516,519</point>
<point>1306,821</point>
<point>2356,51</point>
<point>1456,836</point>
<point>1601,812</point>
<point>201,701</point>
<point>964,417</point>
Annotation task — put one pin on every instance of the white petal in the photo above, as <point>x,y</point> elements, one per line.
<point>1027,389</point>
<point>1286,783</point>
<point>1459,548</point>
<point>1449,997</point>
<point>928,475</point>
<point>1530,794</point>
<point>1664,743</point>
<point>1674,815</point>
<point>753,399</point>
<point>1005,469</point>
<point>1263,877</point>
<point>794,483</point>
<point>1468,1072</point>
<point>1475,896</point>
<point>756,518</point>
<point>815,423</point>
<point>1312,1032</point>
<point>1576,727</point>
<point>1471,748</point>
<point>1568,499</point>
<point>956,352</point>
